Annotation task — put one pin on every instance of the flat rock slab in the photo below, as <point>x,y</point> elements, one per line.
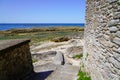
<point>66,72</point>
<point>5,44</point>
<point>45,67</point>
<point>44,55</point>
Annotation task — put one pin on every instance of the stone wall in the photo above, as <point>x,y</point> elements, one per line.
<point>15,59</point>
<point>102,39</point>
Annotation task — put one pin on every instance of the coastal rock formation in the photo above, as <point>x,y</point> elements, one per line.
<point>56,60</point>
<point>59,58</point>
<point>74,50</point>
<point>60,39</point>
<point>102,39</point>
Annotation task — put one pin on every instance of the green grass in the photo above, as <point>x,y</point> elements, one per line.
<point>37,36</point>
<point>33,60</point>
<point>77,56</point>
<point>83,76</point>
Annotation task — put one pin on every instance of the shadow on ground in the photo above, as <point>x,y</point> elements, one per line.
<point>40,75</point>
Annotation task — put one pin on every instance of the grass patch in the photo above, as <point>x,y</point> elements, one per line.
<point>77,56</point>
<point>83,76</point>
<point>34,60</point>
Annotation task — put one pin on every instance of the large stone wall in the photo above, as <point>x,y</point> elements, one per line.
<point>15,59</point>
<point>102,39</point>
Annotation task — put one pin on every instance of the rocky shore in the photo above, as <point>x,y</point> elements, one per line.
<point>55,56</point>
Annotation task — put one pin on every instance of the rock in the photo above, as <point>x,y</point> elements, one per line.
<point>73,42</point>
<point>60,39</point>
<point>59,58</point>
<point>111,1</point>
<point>113,29</point>
<point>116,40</point>
<point>113,22</point>
<point>118,34</point>
<point>44,55</point>
<point>45,67</point>
<point>116,15</point>
<point>118,50</point>
<point>114,62</point>
<point>75,50</point>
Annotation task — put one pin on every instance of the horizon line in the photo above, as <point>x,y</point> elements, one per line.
<point>42,23</point>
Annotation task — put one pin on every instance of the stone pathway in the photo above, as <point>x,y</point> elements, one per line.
<point>66,72</point>
<point>54,72</point>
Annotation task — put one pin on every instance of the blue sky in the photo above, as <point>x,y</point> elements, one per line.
<point>42,11</point>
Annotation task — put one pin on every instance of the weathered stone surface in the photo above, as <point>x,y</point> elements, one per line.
<point>116,40</point>
<point>75,50</point>
<point>15,60</point>
<point>45,67</point>
<point>101,49</point>
<point>113,29</point>
<point>111,1</point>
<point>44,55</point>
<point>5,44</point>
<point>113,22</point>
<point>118,34</point>
<point>61,39</point>
<point>59,58</point>
<point>118,50</point>
<point>66,72</point>
<point>116,15</point>
<point>114,62</point>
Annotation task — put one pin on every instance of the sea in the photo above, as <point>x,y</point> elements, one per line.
<point>8,26</point>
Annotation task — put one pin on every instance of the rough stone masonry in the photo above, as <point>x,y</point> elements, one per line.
<point>102,39</point>
<point>15,59</point>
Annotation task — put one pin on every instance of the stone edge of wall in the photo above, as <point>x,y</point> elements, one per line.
<point>10,44</point>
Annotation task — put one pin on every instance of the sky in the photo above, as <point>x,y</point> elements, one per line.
<point>42,11</point>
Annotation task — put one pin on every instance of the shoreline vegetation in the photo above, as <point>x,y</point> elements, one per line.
<point>40,34</point>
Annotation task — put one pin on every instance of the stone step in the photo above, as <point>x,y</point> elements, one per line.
<point>66,72</point>
<point>45,67</point>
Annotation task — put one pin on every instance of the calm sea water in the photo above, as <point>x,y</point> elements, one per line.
<point>14,26</point>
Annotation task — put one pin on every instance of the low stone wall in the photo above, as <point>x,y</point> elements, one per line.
<point>15,59</point>
<point>102,39</point>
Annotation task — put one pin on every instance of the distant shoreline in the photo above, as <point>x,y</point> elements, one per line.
<point>9,26</point>
<point>43,29</point>
<point>41,34</point>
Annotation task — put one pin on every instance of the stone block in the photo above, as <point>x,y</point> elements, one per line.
<point>118,34</point>
<point>113,22</point>
<point>115,63</point>
<point>116,15</point>
<point>59,58</point>
<point>116,40</point>
<point>118,50</point>
<point>113,29</point>
<point>111,1</point>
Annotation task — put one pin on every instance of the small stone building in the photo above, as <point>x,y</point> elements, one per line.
<point>15,59</point>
